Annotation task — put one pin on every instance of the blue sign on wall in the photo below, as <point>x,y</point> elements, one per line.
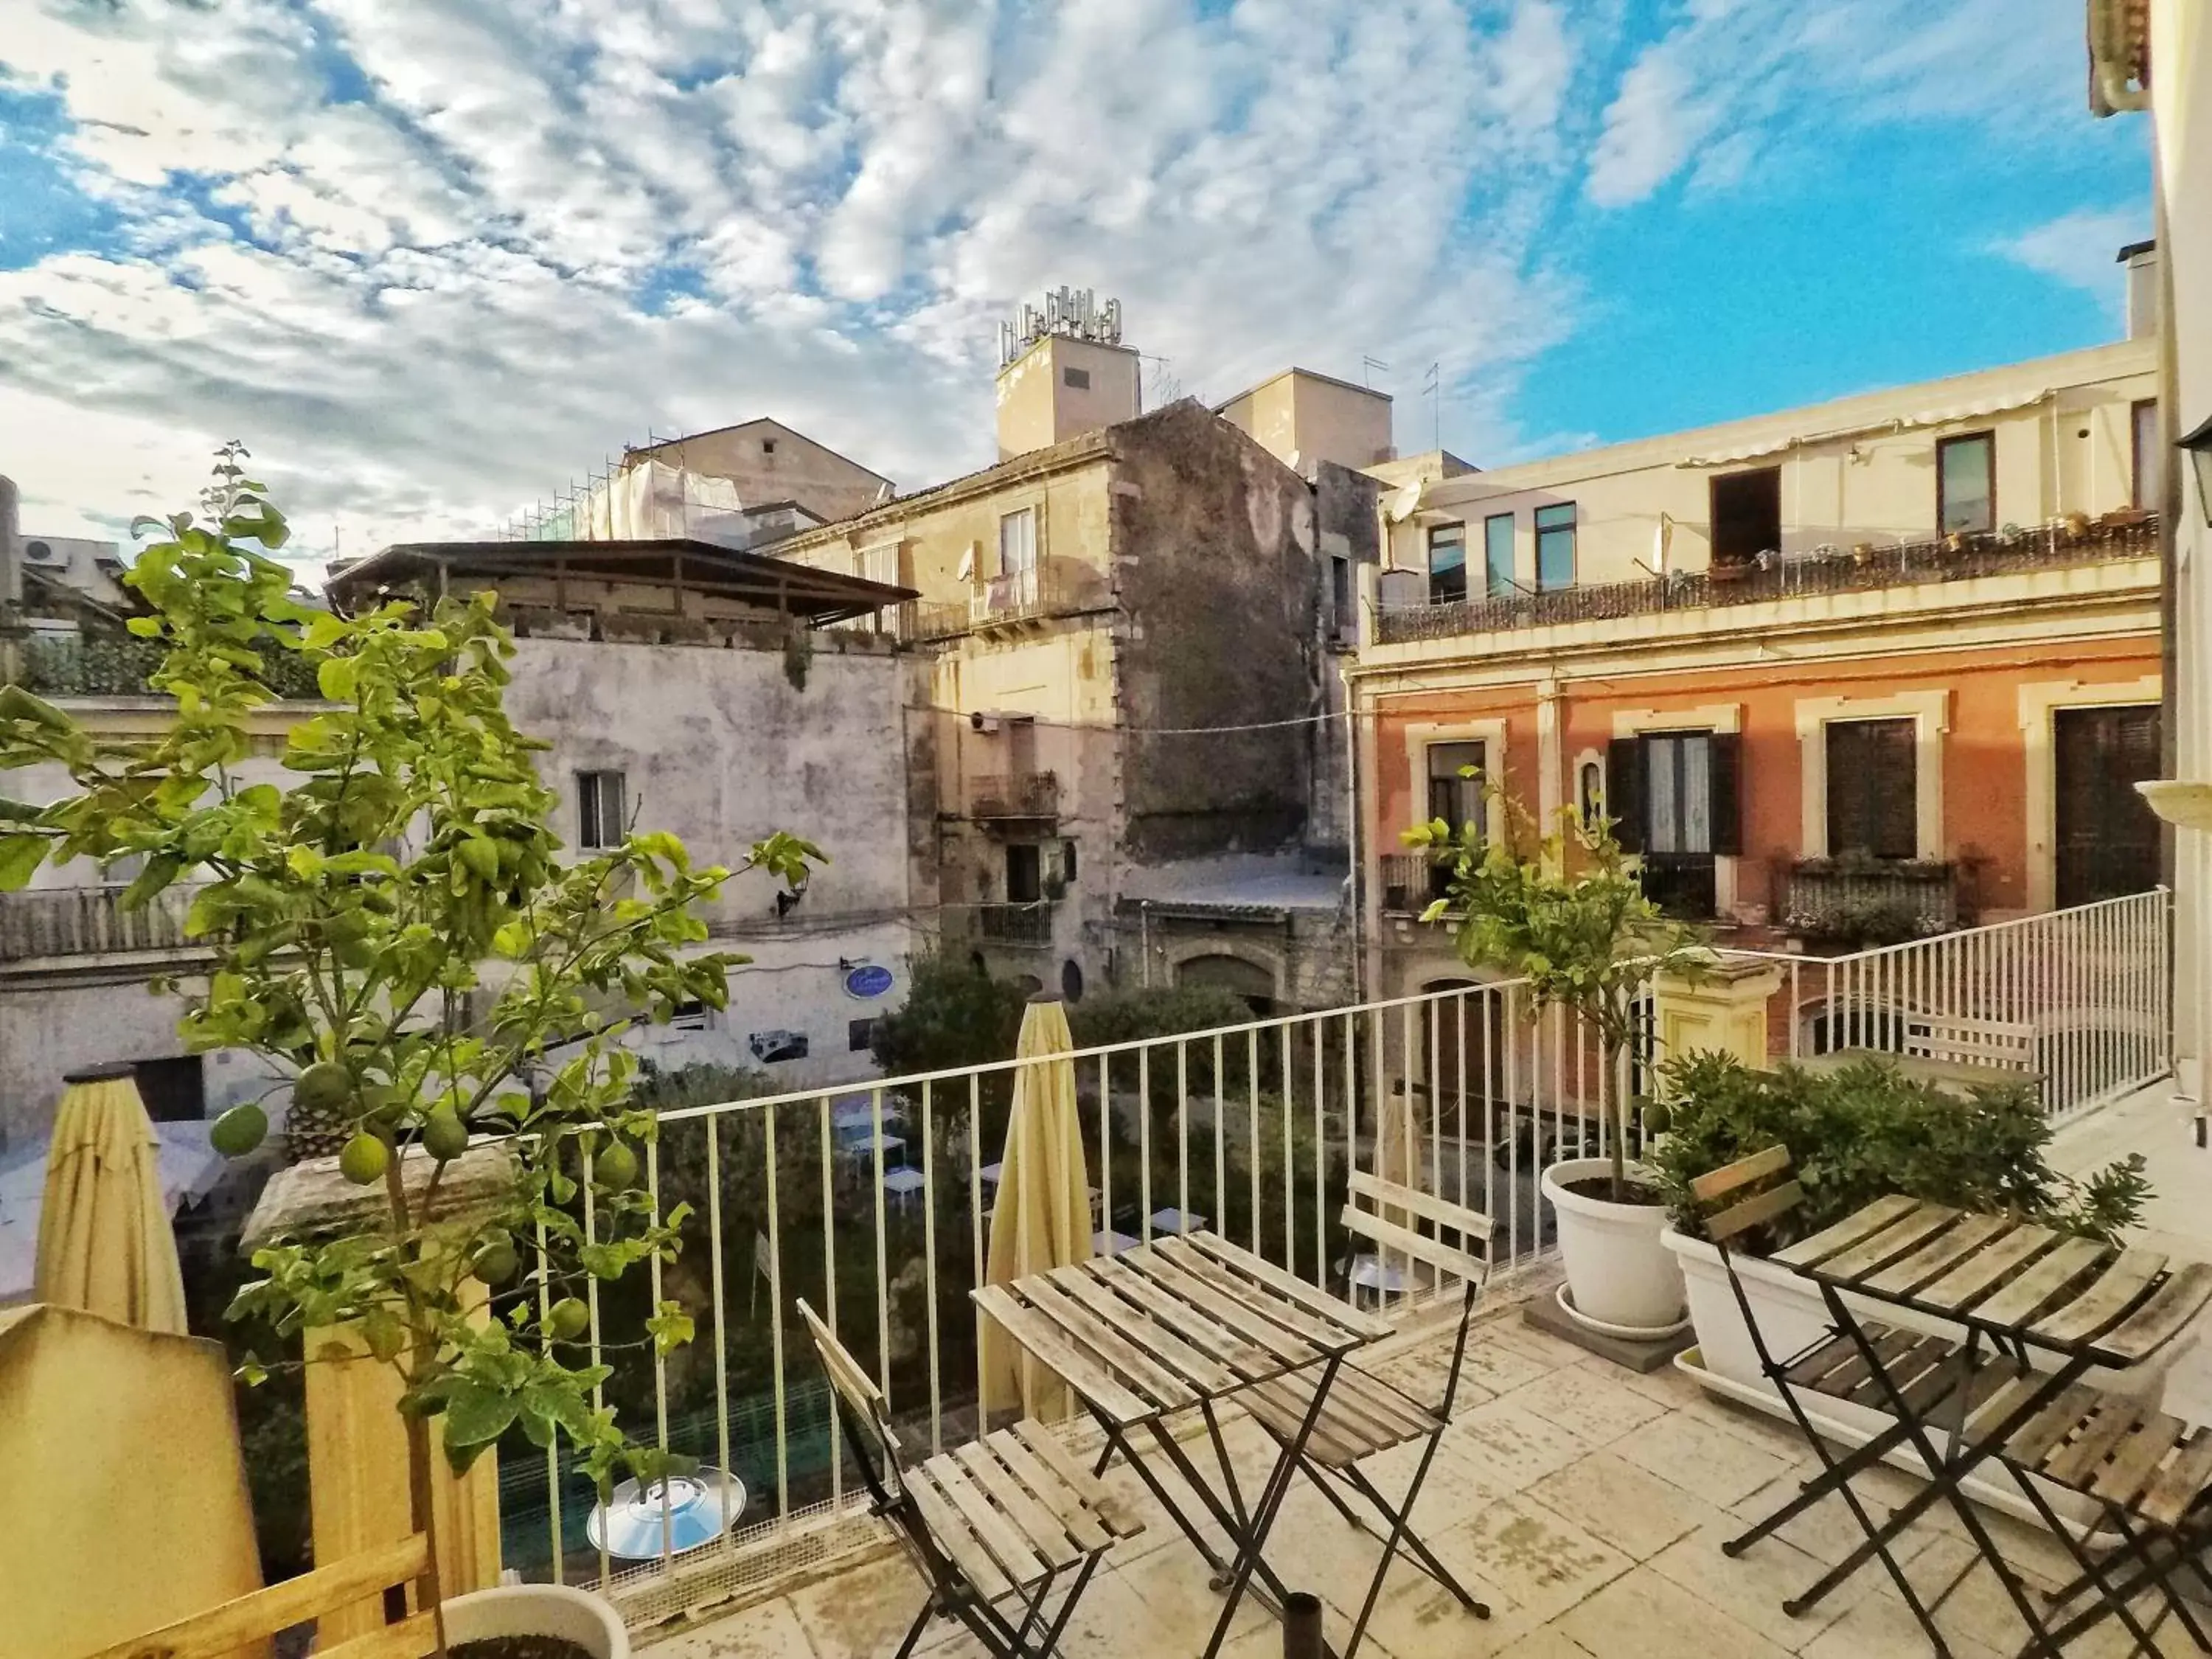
<point>867,981</point>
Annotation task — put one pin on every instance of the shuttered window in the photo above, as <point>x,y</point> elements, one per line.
<point>1676,792</point>
<point>1455,798</point>
<point>1873,789</point>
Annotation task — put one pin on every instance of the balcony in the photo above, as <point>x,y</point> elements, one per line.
<point>89,921</point>
<point>1853,903</point>
<point>1062,587</point>
<point>1014,795</point>
<point>1411,881</point>
<point>1827,570</point>
<point>1016,923</point>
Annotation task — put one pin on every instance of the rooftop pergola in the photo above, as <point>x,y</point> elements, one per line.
<point>683,565</point>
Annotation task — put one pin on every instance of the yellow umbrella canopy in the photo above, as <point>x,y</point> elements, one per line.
<point>1041,1217</point>
<point>105,1243</point>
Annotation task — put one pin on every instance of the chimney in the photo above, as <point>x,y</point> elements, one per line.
<point>2140,259</point>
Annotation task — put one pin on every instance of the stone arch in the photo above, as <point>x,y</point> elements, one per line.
<point>1253,974</point>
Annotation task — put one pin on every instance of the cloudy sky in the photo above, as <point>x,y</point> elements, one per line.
<point>432,259</point>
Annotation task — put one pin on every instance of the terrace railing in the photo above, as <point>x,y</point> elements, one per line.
<point>40,923</point>
<point>97,665</point>
<point>2082,997</point>
<point>873,1202</point>
<point>1825,571</point>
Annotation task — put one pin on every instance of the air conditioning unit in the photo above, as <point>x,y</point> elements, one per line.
<point>43,553</point>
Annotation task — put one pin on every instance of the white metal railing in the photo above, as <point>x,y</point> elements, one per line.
<point>2080,998</point>
<point>872,1201</point>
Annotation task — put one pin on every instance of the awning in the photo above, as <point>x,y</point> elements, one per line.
<point>1947,417</point>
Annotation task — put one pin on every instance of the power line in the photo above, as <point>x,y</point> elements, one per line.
<point>1129,731</point>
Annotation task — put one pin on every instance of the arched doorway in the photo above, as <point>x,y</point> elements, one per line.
<point>1248,980</point>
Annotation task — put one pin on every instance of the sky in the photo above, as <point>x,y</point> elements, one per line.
<point>432,260</point>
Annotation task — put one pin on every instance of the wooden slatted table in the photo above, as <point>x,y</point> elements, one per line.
<point>1178,1325</point>
<point>2051,1307</point>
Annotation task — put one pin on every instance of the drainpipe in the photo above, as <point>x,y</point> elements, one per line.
<point>1352,835</point>
<point>11,583</point>
<point>1145,937</point>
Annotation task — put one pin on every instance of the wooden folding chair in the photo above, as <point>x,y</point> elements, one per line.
<point>1363,1416</point>
<point>1000,1520</point>
<point>1755,1192</point>
<point>248,1622</point>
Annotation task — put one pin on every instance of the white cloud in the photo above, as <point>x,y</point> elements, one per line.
<point>435,260</point>
<point>1742,83</point>
<point>2078,249</point>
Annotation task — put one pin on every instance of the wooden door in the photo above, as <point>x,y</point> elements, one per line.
<point>2105,835</point>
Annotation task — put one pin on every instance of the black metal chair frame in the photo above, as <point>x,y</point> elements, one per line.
<point>1400,1540</point>
<point>874,1447</point>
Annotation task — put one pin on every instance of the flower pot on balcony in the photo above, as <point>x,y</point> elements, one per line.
<point>559,1611</point>
<point>1621,1278</point>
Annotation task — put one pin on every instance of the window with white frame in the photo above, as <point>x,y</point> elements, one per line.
<point>1018,542</point>
<point>600,818</point>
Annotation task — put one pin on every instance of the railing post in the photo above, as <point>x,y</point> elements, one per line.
<point>1723,1009</point>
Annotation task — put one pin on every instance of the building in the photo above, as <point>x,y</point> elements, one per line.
<point>1301,418</point>
<point>2156,56</point>
<point>1842,674</point>
<point>1131,623</point>
<point>682,687</point>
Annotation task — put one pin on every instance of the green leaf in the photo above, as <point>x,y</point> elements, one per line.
<point>19,857</point>
<point>476,1416</point>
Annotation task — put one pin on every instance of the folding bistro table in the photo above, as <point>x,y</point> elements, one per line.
<point>1177,1324</point>
<point>2039,1311</point>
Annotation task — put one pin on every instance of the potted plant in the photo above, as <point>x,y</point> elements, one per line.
<point>396,933</point>
<point>1570,917</point>
<point>1854,1135</point>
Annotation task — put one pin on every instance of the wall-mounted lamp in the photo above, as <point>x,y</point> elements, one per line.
<point>2198,444</point>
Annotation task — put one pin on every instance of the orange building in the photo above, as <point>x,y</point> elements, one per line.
<point>1845,675</point>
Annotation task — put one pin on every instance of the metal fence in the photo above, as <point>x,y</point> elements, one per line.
<point>1826,570</point>
<point>872,1201</point>
<point>2080,998</point>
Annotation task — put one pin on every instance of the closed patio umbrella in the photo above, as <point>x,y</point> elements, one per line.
<point>1041,1217</point>
<point>104,1245</point>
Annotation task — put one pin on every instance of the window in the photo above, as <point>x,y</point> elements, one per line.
<point>175,1090</point>
<point>693,1016</point>
<point>1024,875</point>
<point>1555,547</point>
<point>2150,473</point>
<point>1873,780</point>
<point>1071,980</point>
<point>1453,796</point>
<point>1678,798</point>
<point>1590,791</point>
<point>1339,595</point>
<point>860,1036</point>
<point>1747,514</point>
<point>1018,542</point>
<point>600,820</point>
<point>1965,484</point>
<point>767,446</point>
<point>1447,564</point>
<point>1067,861</point>
<point>1497,555</point>
<point>1077,377</point>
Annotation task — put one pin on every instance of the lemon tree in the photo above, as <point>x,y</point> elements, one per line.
<point>396,929</point>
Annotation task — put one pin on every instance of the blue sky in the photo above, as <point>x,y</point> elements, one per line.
<point>431,260</point>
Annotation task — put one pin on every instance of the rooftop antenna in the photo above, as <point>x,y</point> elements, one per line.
<point>1166,387</point>
<point>1369,368</point>
<point>1434,385</point>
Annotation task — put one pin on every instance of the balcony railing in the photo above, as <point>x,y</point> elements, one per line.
<point>1014,795</point>
<point>1410,882</point>
<point>1054,589</point>
<point>1873,902</point>
<point>90,922</point>
<point>873,1202</point>
<point>1016,923</point>
<point>119,665</point>
<point>1827,570</point>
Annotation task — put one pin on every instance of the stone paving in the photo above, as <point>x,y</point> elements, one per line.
<point>1585,1505</point>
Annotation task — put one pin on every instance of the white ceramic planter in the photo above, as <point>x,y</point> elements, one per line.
<point>1618,1273</point>
<point>555,1610</point>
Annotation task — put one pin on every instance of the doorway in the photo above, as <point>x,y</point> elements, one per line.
<point>1746,515</point>
<point>2106,836</point>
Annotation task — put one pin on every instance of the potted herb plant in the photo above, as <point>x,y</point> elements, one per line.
<point>394,931</point>
<point>1854,1135</point>
<point>1568,915</point>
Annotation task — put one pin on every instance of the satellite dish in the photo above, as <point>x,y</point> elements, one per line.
<point>1404,502</point>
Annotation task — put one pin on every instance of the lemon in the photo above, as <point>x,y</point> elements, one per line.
<point>496,1262</point>
<point>323,1087</point>
<point>569,1318</point>
<point>615,1168</point>
<point>445,1137</point>
<point>238,1130</point>
<point>363,1159</point>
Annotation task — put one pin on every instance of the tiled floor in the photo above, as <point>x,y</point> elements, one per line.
<point>1585,1505</point>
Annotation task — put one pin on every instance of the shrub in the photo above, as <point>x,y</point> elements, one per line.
<point>1867,1131</point>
